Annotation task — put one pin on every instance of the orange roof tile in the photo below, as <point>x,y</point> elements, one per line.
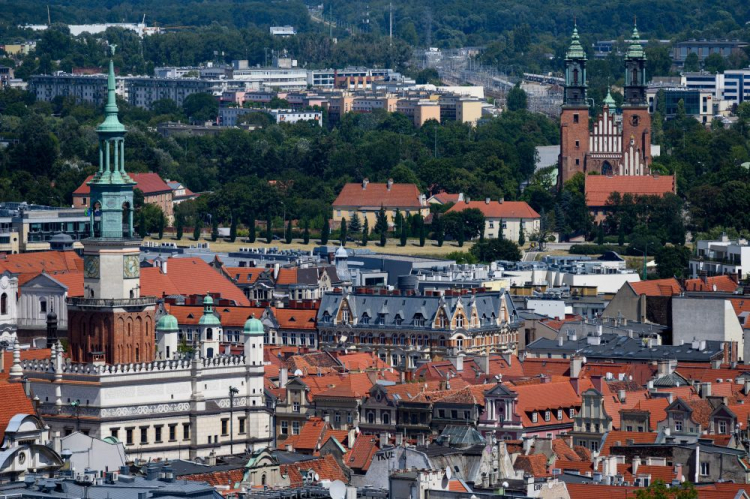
<point>361,361</point>
<point>563,451</point>
<point>657,287</point>
<point>664,473</point>
<point>581,467</point>
<point>557,324</point>
<point>34,354</point>
<point>655,406</point>
<point>326,467</point>
<point>535,465</point>
<point>457,486</point>
<point>600,187</point>
<point>287,276</point>
<point>73,281</point>
<point>597,491</point>
<point>244,275</point>
<point>495,209</point>
<point>189,276</point>
<point>702,410</point>
<point>352,385</point>
<point>543,397</point>
<point>218,478</point>
<point>376,195</point>
<point>311,434</point>
<point>51,262</point>
<point>722,283</point>
<point>535,367</point>
<point>15,402</point>
<point>620,438</point>
<point>296,318</point>
<point>361,454</point>
<point>230,316</point>
<point>148,183</point>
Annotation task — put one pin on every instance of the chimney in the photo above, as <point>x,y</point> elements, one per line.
<point>390,183</point>
<point>705,389</point>
<point>636,464</point>
<point>663,368</point>
<point>483,361</point>
<point>678,472</point>
<point>598,382</point>
<point>283,377</point>
<point>383,440</point>
<point>289,448</point>
<point>746,388</point>
<point>211,460</point>
<point>351,437</point>
<point>507,356</point>
<point>365,181</point>
<point>501,200</point>
<point>457,361</point>
<point>560,341</point>
<point>486,200</point>
<point>399,439</point>
<point>164,266</point>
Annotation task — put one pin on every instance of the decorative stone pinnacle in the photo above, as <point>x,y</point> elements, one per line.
<point>16,371</point>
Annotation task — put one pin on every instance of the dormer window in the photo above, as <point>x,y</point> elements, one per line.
<point>441,321</point>
<point>398,320</point>
<point>534,417</point>
<point>547,415</point>
<point>381,319</point>
<point>326,317</point>
<point>572,413</point>
<point>345,316</point>
<point>559,414</point>
<point>419,320</point>
<point>365,319</point>
<point>459,320</point>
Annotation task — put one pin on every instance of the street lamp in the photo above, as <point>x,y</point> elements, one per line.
<point>76,405</point>
<point>645,260</point>
<point>232,392</point>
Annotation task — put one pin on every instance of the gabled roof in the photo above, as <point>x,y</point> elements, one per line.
<point>657,287</point>
<point>73,281</point>
<point>148,183</point>
<point>375,195</point>
<point>361,454</point>
<point>326,467</point>
<point>600,187</point>
<point>563,451</point>
<point>295,318</point>
<point>244,275</point>
<point>15,402</point>
<point>311,435</point>
<point>656,407</point>
<point>723,284</point>
<point>535,465</point>
<point>496,209</point>
<point>186,277</point>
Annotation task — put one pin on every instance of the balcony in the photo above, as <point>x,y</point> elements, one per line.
<point>141,302</point>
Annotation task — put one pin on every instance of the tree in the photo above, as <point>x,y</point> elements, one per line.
<point>600,235</point>
<point>672,261</point>
<point>381,222</point>
<point>403,233</point>
<point>201,107</point>
<point>233,229</point>
<point>490,250</point>
<point>521,237</point>
<point>365,232</point>
<point>214,228</point>
<point>461,237</point>
<point>354,224</point>
<point>439,229</point>
<point>517,100</point>
<point>422,232</point>
<point>715,63</point>
<point>659,490</point>
<point>325,233</point>
<point>342,232</point>
<point>196,228</point>
<point>382,239</point>
<point>269,228</point>
<point>692,63</point>
<point>179,225</point>
<point>306,232</point>
<point>142,230</point>
<point>161,224</point>
<point>251,230</point>
<point>288,233</point>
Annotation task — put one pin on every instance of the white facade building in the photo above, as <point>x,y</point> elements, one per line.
<point>39,296</point>
<point>723,256</point>
<point>737,85</point>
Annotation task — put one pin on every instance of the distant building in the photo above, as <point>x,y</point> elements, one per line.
<point>291,116</point>
<point>143,92</point>
<point>722,256</point>
<point>599,188</point>
<point>155,191</point>
<point>366,199</point>
<point>705,82</point>
<point>737,85</point>
<point>90,89</point>
<point>704,48</point>
<point>282,31</point>
<point>697,103</point>
<point>28,227</point>
<point>506,217</point>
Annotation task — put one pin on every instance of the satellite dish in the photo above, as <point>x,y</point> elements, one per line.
<point>337,490</point>
<point>505,485</point>
<point>298,372</point>
<point>448,472</point>
<point>316,477</point>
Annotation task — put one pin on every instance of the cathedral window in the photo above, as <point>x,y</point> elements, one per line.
<point>4,304</point>
<point>575,118</point>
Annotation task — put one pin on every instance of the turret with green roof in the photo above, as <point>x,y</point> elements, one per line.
<point>635,72</point>
<point>111,187</point>
<point>575,72</point>
<point>609,103</point>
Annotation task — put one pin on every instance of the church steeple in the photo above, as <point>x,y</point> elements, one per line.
<point>575,72</point>
<point>635,71</point>
<point>112,187</point>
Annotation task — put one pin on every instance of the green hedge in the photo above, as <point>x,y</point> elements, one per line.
<point>595,249</point>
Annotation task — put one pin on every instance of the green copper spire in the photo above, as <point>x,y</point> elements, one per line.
<point>635,49</point>
<point>575,51</point>
<point>111,123</point>
<point>609,101</point>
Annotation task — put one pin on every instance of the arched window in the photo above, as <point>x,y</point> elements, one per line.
<point>459,320</point>
<point>381,340</point>
<point>575,76</point>
<point>635,76</point>
<point>413,340</point>
<point>607,168</point>
<point>4,304</point>
<point>371,417</point>
<point>263,479</point>
<point>386,416</point>
<point>209,334</point>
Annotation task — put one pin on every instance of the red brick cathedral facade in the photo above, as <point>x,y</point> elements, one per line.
<point>614,146</point>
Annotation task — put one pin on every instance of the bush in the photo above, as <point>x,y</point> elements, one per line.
<point>595,249</point>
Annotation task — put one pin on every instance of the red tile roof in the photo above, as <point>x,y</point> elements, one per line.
<point>52,262</point>
<point>535,367</point>
<point>596,491</point>
<point>495,209</point>
<point>287,276</point>
<point>376,195</point>
<point>620,438</point>
<point>361,361</point>
<point>189,276</point>
<point>244,275</point>
<point>563,451</point>
<point>148,183</point>
<point>657,287</point>
<point>361,454</point>
<point>457,486</point>
<point>664,473</point>
<point>656,407</point>
<point>535,465</point>
<point>218,478</point>
<point>445,197</point>
<point>292,318</point>
<point>557,324</point>
<point>327,469</point>
<point>546,396</point>
<point>230,316</point>
<point>600,187</point>
<point>14,400</point>
<point>74,282</point>
<point>311,435</point>
<point>723,283</point>
<point>35,354</point>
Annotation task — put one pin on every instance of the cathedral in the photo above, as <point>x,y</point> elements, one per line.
<point>612,146</point>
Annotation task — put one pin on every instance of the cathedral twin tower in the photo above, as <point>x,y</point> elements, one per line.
<point>611,148</point>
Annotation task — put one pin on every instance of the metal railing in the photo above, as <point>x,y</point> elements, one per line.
<point>112,302</point>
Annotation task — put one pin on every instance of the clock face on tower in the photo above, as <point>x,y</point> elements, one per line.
<point>131,267</point>
<point>91,266</point>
